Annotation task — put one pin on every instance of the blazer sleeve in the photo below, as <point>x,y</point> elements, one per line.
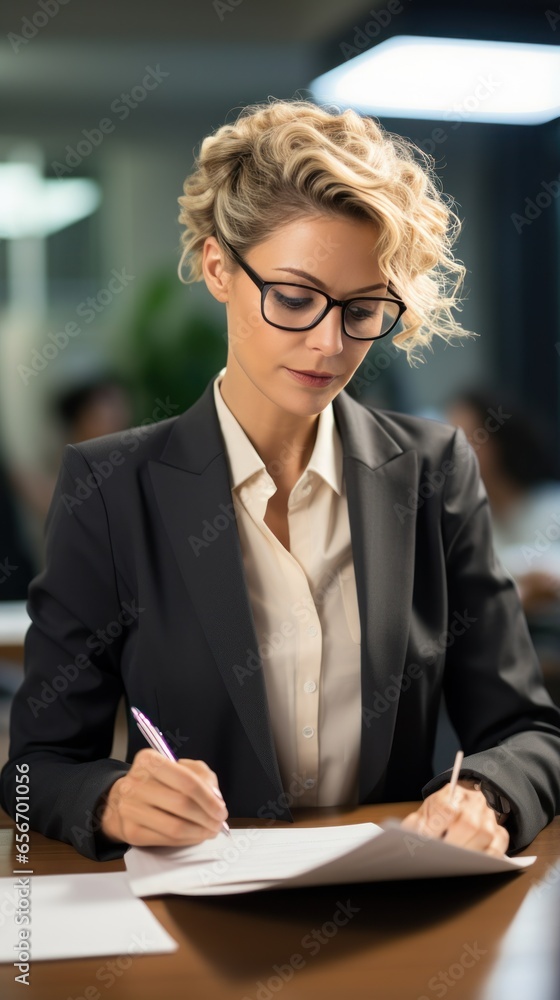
<point>506,722</point>
<point>63,714</point>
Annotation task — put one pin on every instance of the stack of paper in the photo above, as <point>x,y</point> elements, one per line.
<point>269,858</point>
<point>72,916</point>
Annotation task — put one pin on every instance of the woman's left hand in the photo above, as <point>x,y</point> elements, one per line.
<point>467,822</point>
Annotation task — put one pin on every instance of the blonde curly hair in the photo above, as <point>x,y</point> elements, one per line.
<point>284,159</point>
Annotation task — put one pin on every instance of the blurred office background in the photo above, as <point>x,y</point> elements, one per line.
<point>97,332</point>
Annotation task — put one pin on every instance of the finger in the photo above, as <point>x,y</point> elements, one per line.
<point>205,783</point>
<point>185,807</point>
<point>469,836</point>
<point>205,770</point>
<point>145,826</point>
<point>432,818</point>
<point>147,763</point>
<point>499,844</point>
<point>483,841</point>
<point>420,826</point>
<point>411,821</point>
<point>437,816</point>
<point>212,777</point>
<point>182,777</point>
<point>489,838</point>
<point>473,829</point>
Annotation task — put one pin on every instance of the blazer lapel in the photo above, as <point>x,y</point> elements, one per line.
<point>193,493</point>
<point>378,476</point>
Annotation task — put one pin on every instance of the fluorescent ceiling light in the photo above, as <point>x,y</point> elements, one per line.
<point>32,206</point>
<point>451,79</point>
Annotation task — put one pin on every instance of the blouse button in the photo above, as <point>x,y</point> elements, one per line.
<point>308,731</point>
<point>309,687</point>
<point>312,630</point>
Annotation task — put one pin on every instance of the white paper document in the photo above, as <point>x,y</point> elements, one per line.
<point>269,858</point>
<point>74,916</point>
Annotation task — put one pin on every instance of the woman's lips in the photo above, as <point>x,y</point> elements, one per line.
<point>312,380</point>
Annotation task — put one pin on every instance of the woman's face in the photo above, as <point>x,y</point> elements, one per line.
<point>333,254</point>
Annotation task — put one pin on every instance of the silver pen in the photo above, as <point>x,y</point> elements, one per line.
<point>155,738</point>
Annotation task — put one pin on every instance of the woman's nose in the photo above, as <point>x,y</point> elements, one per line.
<point>328,334</point>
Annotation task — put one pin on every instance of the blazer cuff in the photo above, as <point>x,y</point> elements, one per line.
<point>106,849</point>
<point>102,848</point>
<point>86,805</point>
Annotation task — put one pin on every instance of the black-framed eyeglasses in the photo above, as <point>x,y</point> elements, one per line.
<point>289,306</point>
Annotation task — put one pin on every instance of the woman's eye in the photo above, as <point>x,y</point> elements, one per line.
<point>358,312</point>
<point>289,302</point>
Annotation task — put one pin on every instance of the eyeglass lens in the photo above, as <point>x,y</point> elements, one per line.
<point>296,308</point>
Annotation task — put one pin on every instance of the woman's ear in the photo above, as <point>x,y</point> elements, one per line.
<point>216,276</point>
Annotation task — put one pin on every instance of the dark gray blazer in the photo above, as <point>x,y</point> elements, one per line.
<point>144,594</point>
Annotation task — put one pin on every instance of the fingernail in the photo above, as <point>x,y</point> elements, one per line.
<point>218,793</point>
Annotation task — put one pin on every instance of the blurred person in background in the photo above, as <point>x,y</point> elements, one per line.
<point>98,406</point>
<point>521,473</point>
<point>89,407</point>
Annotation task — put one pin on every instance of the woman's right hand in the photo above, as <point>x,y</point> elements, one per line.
<point>163,803</point>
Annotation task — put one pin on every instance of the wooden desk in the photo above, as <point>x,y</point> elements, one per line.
<point>403,937</point>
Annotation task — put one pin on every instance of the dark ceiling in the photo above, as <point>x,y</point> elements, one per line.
<point>218,54</point>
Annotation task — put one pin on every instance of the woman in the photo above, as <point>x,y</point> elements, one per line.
<point>283,580</point>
